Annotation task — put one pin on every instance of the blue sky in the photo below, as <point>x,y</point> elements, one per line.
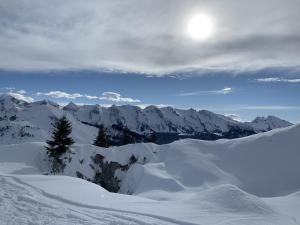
<point>246,95</point>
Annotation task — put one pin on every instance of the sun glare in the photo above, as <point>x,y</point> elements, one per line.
<point>200,27</point>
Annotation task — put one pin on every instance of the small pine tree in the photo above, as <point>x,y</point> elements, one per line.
<point>127,137</point>
<point>152,138</point>
<point>132,159</point>
<point>60,142</point>
<point>101,139</point>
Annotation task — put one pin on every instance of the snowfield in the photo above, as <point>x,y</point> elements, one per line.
<point>248,181</point>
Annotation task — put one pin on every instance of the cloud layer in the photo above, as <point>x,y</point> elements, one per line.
<point>223,91</point>
<point>278,80</point>
<point>107,96</point>
<point>147,36</point>
<point>21,96</point>
<point>116,97</point>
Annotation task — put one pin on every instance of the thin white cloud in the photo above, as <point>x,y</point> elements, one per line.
<point>60,94</point>
<point>7,88</point>
<point>277,79</point>
<point>116,97</point>
<point>223,91</point>
<point>22,92</point>
<point>270,107</point>
<point>234,117</point>
<point>91,97</point>
<point>107,96</point>
<point>142,106</point>
<point>20,96</point>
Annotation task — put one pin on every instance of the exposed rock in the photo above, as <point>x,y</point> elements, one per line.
<point>105,173</point>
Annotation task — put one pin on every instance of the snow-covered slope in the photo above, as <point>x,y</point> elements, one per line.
<point>22,121</point>
<point>264,164</point>
<point>232,182</point>
<point>36,199</point>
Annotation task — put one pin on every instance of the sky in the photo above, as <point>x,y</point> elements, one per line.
<point>141,52</point>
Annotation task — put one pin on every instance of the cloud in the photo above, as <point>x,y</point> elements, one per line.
<point>142,106</point>
<point>22,92</point>
<point>91,97</point>
<point>116,97</point>
<point>7,88</point>
<point>223,91</point>
<point>234,117</point>
<point>60,94</point>
<point>277,79</point>
<point>270,107</point>
<point>147,36</point>
<point>20,96</point>
<point>107,96</point>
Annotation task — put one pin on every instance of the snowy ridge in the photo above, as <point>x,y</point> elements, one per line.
<point>21,121</point>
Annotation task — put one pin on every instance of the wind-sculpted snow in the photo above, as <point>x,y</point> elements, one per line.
<point>225,182</point>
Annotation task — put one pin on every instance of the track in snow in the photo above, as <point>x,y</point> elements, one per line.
<point>21,204</point>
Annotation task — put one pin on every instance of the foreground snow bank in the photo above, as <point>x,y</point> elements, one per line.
<point>37,199</point>
<point>186,182</point>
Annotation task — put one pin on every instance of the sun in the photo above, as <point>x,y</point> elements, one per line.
<point>200,27</point>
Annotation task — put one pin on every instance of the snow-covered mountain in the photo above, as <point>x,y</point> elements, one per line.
<point>21,121</point>
<point>251,180</point>
<point>269,123</point>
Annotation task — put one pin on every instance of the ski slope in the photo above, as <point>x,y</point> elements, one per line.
<point>249,181</point>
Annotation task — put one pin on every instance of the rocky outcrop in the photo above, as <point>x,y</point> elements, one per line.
<point>105,173</point>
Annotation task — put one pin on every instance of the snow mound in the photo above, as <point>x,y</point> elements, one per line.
<point>264,164</point>
<point>153,177</point>
<point>230,198</point>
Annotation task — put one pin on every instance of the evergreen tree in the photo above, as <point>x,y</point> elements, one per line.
<point>152,138</point>
<point>101,139</point>
<point>127,137</point>
<point>60,142</point>
<point>132,159</point>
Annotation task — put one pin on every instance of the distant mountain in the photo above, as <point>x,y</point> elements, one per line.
<point>269,123</point>
<point>21,121</point>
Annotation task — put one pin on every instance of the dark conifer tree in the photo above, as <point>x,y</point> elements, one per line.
<point>60,142</point>
<point>127,137</point>
<point>132,159</point>
<point>102,139</point>
<point>152,138</point>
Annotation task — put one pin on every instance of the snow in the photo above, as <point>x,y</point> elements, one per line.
<point>269,123</point>
<point>252,181</point>
<point>21,121</point>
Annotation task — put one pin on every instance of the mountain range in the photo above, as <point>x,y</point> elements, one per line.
<point>21,121</point>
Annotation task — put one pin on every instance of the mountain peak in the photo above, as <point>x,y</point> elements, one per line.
<point>269,123</point>
<point>10,100</point>
<point>71,107</point>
